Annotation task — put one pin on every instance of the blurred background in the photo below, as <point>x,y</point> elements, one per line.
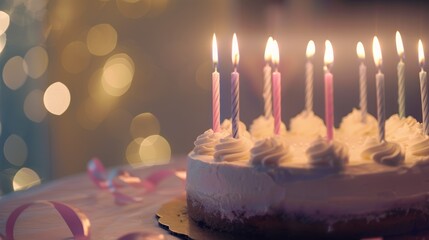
<point>129,81</point>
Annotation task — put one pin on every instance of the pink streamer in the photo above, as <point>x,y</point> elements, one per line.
<point>121,178</point>
<point>75,220</point>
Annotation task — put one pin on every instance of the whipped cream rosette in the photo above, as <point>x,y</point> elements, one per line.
<point>352,124</point>
<point>264,127</point>
<point>322,153</point>
<point>307,124</point>
<point>271,151</point>
<point>401,129</point>
<point>242,131</point>
<point>232,149</point>
<point>206,142</point>
<point>387,153</point>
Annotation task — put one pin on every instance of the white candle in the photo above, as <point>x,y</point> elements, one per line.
<point>215,88</point>
<point>235,89</point>
<point>379,78</point>
<point>277,97</point>
<point>401,75</point>
<point>362,82</point>
<point>267,94</point>
<point>423,89</point>
<point>309,73</point>
<point>329,91</point>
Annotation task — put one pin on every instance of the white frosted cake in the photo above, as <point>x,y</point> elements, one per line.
<point>298,184</point>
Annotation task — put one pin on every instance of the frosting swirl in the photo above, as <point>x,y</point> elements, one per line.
<point>270,152</point>
<point>263,128</point>
<point>206,142</point>
<point>232,149</point>
<point>321,153</point>
<point>307,124</point>
<point>352,124</point>
<point>387,153</point>
<point>419,145</point>
<point>242,129</point>
<point>401,129</point>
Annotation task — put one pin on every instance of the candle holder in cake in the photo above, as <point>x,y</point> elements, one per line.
<point>309,76</point>
<point>235,89</point>
<point>267,94</point>
<point>329,91</point>
<point>401,75</point>
<point>215,88</point>
<point>423,89</point>
<point>360,50</point>
<point>379,80</point>
<point>277,95</point>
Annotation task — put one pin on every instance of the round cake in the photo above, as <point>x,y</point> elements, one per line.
<point>298,184</point>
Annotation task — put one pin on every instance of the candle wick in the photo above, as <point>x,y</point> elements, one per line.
<point>215,67</point>
<point>235,68</point>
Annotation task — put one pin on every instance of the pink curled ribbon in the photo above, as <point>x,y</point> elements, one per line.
<point>116,179</point>
<point>77,222</point>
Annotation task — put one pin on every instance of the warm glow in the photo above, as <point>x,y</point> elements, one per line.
<point>275,53</point>
<point>15,150</point>
<point>329,53</point>
<point>155,150</point>
<point>399,44</point>
<point>118,74</point>
<point>14,72</point>
<point>75,57</point>
<point>311,49</point>
<point>57,98</point>
<point>25,178</point>
<point>421,53</point>
<point>235,53</point>
<point>268,50</point>
<point>360,50</point>
<point>214,50</point>
<point>376,52</point>
<point>4,22</point>
<point>101,39</point>
<point>33,106</point>
<point>144,125</point>
<point>2,42</point>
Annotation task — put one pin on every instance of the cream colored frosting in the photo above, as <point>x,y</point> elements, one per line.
<point>419,146</point>
<point>401,129</point>
<point>352,124</point>
<point>322,153</point>
<point>270,152</point>
<point>232,149</point>
<point>387,153</point>
<point>206,142</point>
<point>307,124</point>
<point>242,129</point>
<point>264,127</point>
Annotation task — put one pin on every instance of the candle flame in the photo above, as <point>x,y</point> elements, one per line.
<point>268,50</point>
<point>399,44</point>
<point>235,53</point>
<point>214,50</point>
<point>311,49</point>
<point>376,52</point>
<point>421,53</point>
<point>275,53</point>
<point>329,53</point>
<point>360,50</point>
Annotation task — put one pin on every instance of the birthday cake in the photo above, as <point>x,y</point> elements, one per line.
<point>297,183</point>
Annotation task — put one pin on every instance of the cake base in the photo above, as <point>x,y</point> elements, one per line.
<point>393,225</point>
<point>174,217</point>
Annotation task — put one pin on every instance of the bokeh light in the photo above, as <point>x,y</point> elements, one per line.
<point>25,178</point>
<point>144,125</point>
<point>15,150</point>
<point>57,98</point>
<point>2,42</point>
<point>75,57</point>
<point>118,73</point>
<point>4,22</point>
<point>33,106</point>
<point>37,61</point>
<point>14,72</point>
<point>101,39</point>
<point>132,152</point>
<point>155,150</point>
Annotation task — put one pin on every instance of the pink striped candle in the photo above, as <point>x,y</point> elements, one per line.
<point>215,88</point>
<point>235,89</point>
<point>277,106</point>
<point>329,91</point>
